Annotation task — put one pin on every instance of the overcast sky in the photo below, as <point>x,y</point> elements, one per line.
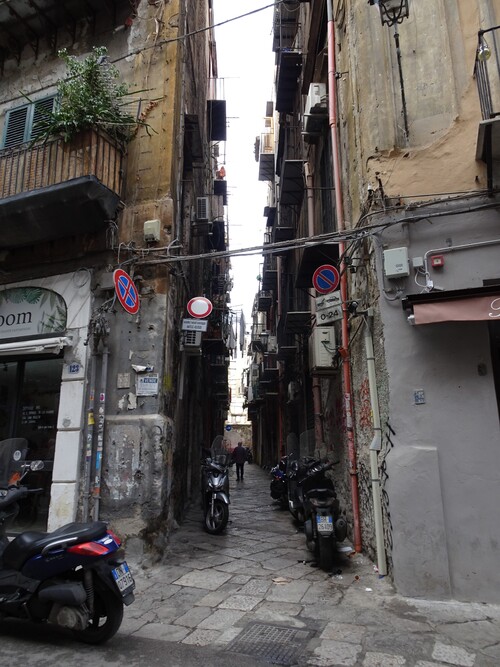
<point>246,70</point>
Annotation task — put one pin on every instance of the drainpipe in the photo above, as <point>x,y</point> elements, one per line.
<point>89,436</point>
<point>346,363</point>
<point>375,446</point>
<point>316,386</point>
<point>100,432</point>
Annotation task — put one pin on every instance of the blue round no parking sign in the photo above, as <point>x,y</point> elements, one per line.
<point>326,279</point>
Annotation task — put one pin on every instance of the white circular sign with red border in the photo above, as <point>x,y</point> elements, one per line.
<point>199,307</point>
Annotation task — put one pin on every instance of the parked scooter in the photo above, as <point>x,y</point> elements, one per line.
<point>75,577</point>
<point>296,473</point>
<point>323,525</point>
<point>215,488</point>
<point>279,482</point>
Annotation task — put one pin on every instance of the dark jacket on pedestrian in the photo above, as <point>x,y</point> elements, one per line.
<point>239,454</point>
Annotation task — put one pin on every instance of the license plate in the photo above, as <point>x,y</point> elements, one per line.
<point>123,578</point>
<point>325,524</point>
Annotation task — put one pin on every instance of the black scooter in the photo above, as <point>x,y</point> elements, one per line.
<point>324,526</point>
<point>215,490</point>
<point>75,577</point>
<point>279,482</point>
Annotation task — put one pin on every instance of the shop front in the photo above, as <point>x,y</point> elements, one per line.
<point>41,370</point>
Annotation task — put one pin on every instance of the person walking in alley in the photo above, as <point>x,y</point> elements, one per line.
<point>239,457</point>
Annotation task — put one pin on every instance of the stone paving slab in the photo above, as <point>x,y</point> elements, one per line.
<point>208,589</point>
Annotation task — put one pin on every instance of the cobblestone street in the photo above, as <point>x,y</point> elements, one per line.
<point>253,596</point>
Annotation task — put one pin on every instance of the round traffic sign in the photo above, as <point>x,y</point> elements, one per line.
<point>126,291</point>
<point>199,307</point>
<point>228,427</point>
<point>326,278</point>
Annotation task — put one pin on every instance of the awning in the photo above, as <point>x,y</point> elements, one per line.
<point>35,346</point>
<point>468,305</point>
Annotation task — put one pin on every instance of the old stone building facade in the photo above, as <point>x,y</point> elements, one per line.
<point>375,334</point>
<point>104,243</point>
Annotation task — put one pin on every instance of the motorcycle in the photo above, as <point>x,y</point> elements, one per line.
<point>279,485</point>
<point>323,524</point>
<point>75,577</point>
<point>215,489</point>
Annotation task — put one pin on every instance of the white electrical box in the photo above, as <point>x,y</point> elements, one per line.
<point>152,230</point>
<point>322,348</point>
<point>396,263</point>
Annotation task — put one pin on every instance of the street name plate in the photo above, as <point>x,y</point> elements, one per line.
<point>328,308</point>
<point>194,325</point>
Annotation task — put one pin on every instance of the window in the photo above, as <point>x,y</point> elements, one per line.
<point>22,124</point>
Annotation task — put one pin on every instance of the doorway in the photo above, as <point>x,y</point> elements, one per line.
<point>29,403</point>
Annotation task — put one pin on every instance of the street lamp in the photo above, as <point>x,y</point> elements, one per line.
<point>392,13</point>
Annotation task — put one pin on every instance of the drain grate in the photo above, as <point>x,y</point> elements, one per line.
<point>274,644</point>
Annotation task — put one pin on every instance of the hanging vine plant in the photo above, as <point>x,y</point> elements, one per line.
<point>90,96</point>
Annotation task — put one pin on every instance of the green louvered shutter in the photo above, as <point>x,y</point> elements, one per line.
<point>16,126</point>
<point>41,109</point>
<point>25,123</point>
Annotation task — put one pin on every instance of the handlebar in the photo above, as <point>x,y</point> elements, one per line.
<point>15,493</point>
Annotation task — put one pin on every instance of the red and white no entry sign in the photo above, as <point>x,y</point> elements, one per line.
<point>199,307</point>
<point>326,279</point>
<point>126,291</point>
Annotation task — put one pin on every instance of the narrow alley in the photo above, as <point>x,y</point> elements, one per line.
<point>253,596</point>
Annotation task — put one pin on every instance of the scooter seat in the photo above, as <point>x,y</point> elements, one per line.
<point>31,543</point>
<point>321,494</point>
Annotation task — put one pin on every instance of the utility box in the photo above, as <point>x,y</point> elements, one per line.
<point>322,349</point>
<point>152,231</point>
<point>396,263</point>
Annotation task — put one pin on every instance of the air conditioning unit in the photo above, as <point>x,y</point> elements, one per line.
<point>254,372</point>
<point>322,349</point>
<point>191,342</point>
<point>202,209</point>
<point>316,110</point>
<point>272,344</point>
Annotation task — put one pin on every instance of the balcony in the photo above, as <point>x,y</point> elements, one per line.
<point>292,183</point>
<point>287,76</point>
<point>266,157</point>
<point>311,258</point>
<point>55,189</point>
<point>486,73</point>
<point>264,301</point>
<point>270,273</point>
<point>30,23</point>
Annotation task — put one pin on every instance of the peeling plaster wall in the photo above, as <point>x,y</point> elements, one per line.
<point>441,465</point>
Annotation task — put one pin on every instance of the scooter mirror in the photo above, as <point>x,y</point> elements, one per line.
<point>37,465</point>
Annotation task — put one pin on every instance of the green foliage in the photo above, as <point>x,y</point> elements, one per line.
<point>89,96</point>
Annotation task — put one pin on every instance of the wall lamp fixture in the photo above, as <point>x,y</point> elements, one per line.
<point>392,13</point>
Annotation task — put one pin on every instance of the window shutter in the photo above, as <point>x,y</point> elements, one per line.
<point>41,109</point>
<point>16,126</point>
<point>25,123</point>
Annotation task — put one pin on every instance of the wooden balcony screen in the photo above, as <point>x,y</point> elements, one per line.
<point>30,167</point>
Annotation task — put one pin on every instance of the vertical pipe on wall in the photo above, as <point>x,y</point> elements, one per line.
<point>346,363</point>
<point>316,386</point>
<point>375,446</point>
<point>100,432</point>
<point>89,438</point>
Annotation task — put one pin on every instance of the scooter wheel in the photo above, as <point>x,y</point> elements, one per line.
<point>216,522</point>
<point>106,619</point>
<point>326,549</point>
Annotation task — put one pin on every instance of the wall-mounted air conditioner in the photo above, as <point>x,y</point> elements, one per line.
<point>202,209</point>
<point>316,110</point>
<point>272,344</point>
<point>322,349</point>
<point>191,342</point>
